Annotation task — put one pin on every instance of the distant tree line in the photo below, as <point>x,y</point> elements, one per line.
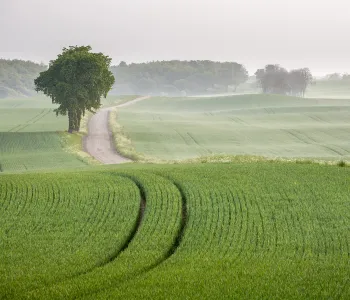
<point>17,77</point>
<point>178,77</point>
<point>337,76</point>
<point>172,78</point>
<point>274,79</point>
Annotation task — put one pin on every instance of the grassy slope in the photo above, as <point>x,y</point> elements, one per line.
<point>266,125</point>
<point>252,231</point>
<point>30,138</point>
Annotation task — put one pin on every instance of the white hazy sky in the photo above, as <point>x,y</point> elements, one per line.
<point>293,33</point>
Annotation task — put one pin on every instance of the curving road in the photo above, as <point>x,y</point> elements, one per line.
<point>99,141</point>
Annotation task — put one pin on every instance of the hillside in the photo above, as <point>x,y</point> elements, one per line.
<point>266,125</point>
<point>17,77</point>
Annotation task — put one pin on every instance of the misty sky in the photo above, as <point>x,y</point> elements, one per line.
<point>293,33</point>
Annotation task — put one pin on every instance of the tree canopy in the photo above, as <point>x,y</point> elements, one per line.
<point>76,80</point>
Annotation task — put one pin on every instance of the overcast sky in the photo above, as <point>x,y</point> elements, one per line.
<point>293,33</point>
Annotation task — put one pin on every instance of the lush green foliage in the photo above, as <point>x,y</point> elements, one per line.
<point>178,77</point>
<point>76,81</point>
<point>209,231</point>
<point>17,77</point>
<point>264,125</point>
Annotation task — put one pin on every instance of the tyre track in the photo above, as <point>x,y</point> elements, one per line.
<point>29,294</point>
<point>32,120</point>
<point>167,254</point>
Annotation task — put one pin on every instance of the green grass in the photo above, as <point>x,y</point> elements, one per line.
<point>35,150</point>
<point>31,137</point>
<point>77,226</point>
<point>261,125</point>
<point>209,231</point>
<point>150,245</point>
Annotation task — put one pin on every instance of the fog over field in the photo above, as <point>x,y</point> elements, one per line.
<point>174,149</point>
<point>253,32</point>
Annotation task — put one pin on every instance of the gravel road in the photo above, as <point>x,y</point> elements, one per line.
<point>99,141</point>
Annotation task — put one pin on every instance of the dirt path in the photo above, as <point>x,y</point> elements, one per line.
<point>99,141</point>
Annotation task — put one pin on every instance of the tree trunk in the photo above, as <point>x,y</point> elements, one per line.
<point>78,120</point>
<point>70,121</point>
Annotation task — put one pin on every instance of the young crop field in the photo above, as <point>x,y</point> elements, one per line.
<point>32,138</point>
<point>263,125</point>
<point>200,231</point>
<point>333,89</point>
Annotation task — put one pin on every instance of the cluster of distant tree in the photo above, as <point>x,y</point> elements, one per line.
<point>178,77</point>
<point>274,79</point>
<point>337,76</point>
<point>17,77</point>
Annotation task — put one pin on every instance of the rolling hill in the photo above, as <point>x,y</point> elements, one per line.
<point>263,125</point>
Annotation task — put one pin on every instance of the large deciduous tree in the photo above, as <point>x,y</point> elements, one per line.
<point>76,80</point>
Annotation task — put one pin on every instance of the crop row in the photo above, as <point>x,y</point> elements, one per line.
<point>35,150</point>
<point>73,220</point>
<point>54,227</point>
<point>272,229</point>
<point>242,231</point>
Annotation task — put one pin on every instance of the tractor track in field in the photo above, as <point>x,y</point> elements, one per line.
<point>167,254</point>
<point>173,247</point>
<point>178,237</point>
<point>114,255</point>
<point>99,141</point>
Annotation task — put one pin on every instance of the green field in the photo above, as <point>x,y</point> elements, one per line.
<point>243,230</point>
<point>263,125</point>
<point>32,136</point>
<point>200,231</point>
<point>334,89</point>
